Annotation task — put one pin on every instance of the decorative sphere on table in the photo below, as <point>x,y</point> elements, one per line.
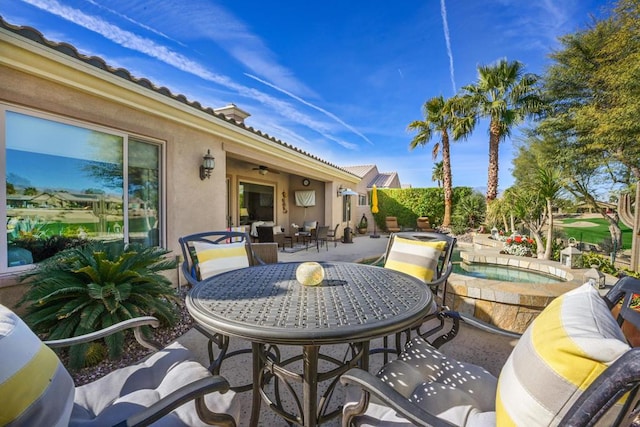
<point>310,273</point>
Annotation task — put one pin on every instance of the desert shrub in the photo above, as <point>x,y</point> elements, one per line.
<point>87,288</point>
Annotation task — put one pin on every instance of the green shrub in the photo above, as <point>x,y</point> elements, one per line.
<point>84,289</point>
<point>407,204</point>
<point>469,212</point>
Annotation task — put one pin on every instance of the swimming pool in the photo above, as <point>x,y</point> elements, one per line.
<point>504,273</point>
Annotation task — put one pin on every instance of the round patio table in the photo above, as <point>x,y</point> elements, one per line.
<point>268,307</point>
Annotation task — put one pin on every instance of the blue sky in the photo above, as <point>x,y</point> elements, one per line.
<point>341,80</point>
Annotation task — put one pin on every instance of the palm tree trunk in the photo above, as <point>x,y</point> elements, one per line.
<point>492,178</point>
<point>549,245</point>
<point>446,172</point>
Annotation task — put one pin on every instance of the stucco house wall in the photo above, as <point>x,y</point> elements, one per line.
<point>37,77</point>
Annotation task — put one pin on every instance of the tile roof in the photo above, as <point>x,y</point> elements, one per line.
<point>69,50</point>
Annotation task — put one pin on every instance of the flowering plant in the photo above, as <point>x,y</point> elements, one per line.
<point>519,245</point>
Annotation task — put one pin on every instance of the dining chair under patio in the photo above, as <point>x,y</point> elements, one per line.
<point>320,236</point>
<point>332,236</point>
<point>267,234</point>
<point>169,388</point>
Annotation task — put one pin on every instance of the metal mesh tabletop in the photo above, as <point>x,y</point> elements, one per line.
<point>355,302</point>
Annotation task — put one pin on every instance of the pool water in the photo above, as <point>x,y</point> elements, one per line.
<point>503,273</point>
<point>499,272</point>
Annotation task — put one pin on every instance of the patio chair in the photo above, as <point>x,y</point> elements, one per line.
<point>213,252</point>
<point>210,253</point>
<point>332,236</point>
<point>169,388</point>
<point>391,223</point>
<point>572,366</point>
<point>427,257</point>
<point>423,224</point>
<point>320,236</point>
<point>309,226</point>
<point>267,234</point>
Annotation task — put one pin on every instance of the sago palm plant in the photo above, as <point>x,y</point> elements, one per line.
<point>83,289</point>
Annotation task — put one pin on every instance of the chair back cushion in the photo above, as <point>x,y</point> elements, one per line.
<point>309,225</point>
<point>217,258</point>
<point>415,257</point>
<point>567,346</point>
<point>35,388</point>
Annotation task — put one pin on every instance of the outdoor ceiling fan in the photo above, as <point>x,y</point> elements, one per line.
<point>263,170</point>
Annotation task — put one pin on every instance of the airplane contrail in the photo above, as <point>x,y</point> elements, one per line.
<point>445,26</point>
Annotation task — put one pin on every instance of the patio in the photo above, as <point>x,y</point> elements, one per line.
<point>471,345</point>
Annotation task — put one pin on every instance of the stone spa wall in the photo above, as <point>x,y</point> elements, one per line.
<point>507,305</point>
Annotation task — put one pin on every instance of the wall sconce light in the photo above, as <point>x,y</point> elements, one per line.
<point>340,190</point>
<point>208,164</point>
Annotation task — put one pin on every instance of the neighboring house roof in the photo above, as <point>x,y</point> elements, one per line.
<point>69,50</point>
<point>359,171</point>
<point>383,180</point>
<point>380,179</point>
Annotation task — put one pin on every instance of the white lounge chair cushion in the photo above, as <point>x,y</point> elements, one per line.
<point>126,391</point>
<point>35,388</point>
<point>415,257</point>
<point>569,344</point>
<point>217,258</point>
<point>461,393</point>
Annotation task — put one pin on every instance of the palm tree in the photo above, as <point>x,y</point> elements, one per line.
<point>437,173</point>
<point>443,117</point>
<point>506,96</point>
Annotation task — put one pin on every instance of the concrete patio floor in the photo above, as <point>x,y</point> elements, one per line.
<point>471,345</point>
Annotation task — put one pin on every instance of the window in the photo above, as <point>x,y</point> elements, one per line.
<point>67,181</point>
<point>362,200</point>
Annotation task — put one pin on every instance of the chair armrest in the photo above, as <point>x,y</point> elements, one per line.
<point>374,386</point>
<point>194,390</point>
<point>121,326</point>
<point>186,273</point>
<point>443,278</point>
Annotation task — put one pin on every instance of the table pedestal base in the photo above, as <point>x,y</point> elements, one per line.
<point>310,408</point>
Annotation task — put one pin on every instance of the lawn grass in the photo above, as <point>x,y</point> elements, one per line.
<point>596,234</point>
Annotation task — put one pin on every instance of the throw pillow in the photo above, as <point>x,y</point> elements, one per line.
<point>35,388</point>
<point>217,258</point>
<point>417,258</point>
<point>570,343</point>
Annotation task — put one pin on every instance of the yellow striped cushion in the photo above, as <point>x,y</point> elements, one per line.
<point>217,258</point>
<point>415,257</point>
<point>568,345</point>
<point>35,388</point>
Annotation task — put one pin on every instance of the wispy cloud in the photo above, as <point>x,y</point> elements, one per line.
<point>133,21</point>
<point>445,27</point>
<point>315,107</point>
<point>181,62</point>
